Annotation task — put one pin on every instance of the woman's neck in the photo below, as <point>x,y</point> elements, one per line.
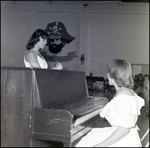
<point>124,90</point>
<point>36,51</point>
<point>118,89</point>
<point>36,48</point>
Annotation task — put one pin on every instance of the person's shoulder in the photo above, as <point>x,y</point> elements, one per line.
<point>128,92</point>
<point>125,97</point>
<point>30,54</point>
<point>122,101</point>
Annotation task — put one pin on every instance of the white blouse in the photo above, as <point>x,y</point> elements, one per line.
<point>42,62</point>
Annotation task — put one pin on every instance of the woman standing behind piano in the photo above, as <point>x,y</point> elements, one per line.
<point>33,57</point>
<point>121,112</point>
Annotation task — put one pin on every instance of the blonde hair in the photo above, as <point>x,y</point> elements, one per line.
<point>121,71</point>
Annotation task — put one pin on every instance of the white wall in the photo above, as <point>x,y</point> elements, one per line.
<point>117,31</point>
<point>103,31</point>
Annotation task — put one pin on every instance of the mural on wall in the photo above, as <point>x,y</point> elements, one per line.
<point>57,40</point>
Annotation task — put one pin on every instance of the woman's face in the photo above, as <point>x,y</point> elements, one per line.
<point>145,78</point>
<point>42,42</point>
<point>140,77</point>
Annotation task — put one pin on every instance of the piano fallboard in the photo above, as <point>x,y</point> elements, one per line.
<point>83,106</point>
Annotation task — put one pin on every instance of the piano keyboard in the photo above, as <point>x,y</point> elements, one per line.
<point>84,106</point>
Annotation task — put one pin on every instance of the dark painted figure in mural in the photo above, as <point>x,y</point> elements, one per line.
<point>58,37</point>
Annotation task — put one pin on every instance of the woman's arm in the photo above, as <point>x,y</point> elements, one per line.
<point>119,133</point>
<point>32,59</point>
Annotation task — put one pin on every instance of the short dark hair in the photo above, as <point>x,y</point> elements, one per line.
<point>35,38</point>
<point>140,75</point>
<point>121,71</point>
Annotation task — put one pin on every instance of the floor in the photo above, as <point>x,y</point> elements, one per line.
<point>143,124</point>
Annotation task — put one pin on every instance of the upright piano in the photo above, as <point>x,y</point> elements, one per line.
<point>43,105</point>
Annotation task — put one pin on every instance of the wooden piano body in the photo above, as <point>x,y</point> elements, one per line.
<point>39,106</point>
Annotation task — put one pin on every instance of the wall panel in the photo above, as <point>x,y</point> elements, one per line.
<point>15,32</point>
<point>117,36</point>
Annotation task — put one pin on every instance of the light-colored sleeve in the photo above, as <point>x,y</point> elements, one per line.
<point>123,110</point>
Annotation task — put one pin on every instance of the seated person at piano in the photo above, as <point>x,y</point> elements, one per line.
<point>33,57</point>
<point>121,112</point>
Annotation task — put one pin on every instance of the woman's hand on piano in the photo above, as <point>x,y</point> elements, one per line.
<point>58,66</point>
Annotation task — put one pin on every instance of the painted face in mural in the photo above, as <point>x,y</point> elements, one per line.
<point>58,37</point>
<point>55,43</point>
